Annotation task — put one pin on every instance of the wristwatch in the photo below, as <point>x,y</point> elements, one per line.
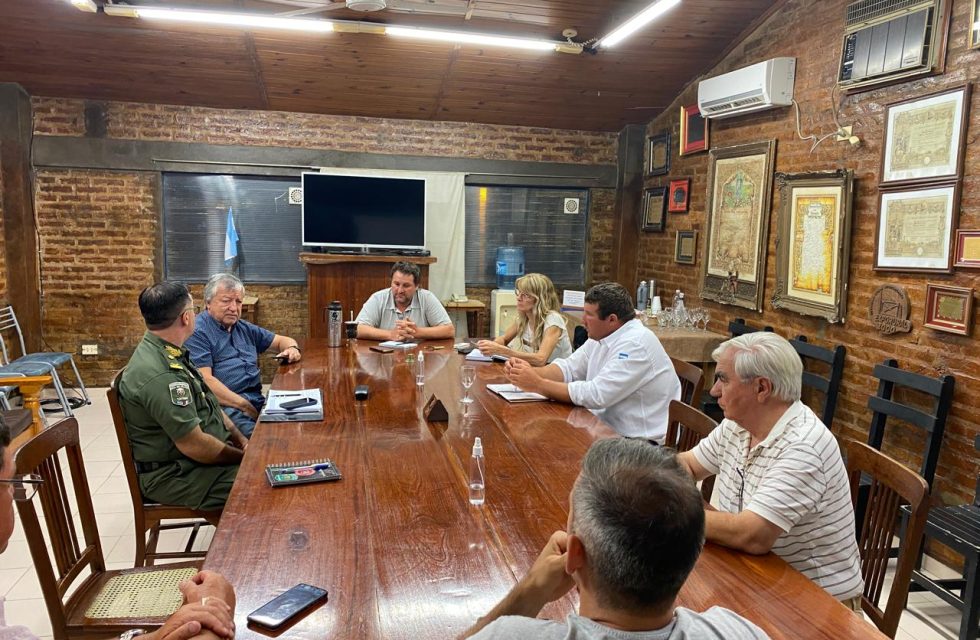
<point>130,634</point>
<point>293,346</point>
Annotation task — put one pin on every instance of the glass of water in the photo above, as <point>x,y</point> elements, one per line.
<point>467,375</point>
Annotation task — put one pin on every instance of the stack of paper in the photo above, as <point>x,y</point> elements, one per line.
<point>398,344</point>
<point>512,393</point>
<point>310,411</point>
<point>478,356</point>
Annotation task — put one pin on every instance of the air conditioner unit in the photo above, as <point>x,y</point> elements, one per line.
<point>760,86</point>
<point>503,306</point>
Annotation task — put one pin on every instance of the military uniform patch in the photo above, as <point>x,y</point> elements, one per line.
<point>180,393</point>
<point>172,351</point>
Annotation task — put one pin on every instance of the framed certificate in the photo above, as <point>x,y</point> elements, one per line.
<point>915,229</point>
<point>949,309</point>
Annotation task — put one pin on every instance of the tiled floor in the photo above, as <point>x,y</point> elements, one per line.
<point>928,618</point>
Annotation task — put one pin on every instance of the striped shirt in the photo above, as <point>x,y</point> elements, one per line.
<point>795,478</point>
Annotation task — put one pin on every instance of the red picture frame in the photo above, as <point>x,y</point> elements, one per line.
<point>694,131</point>
<point>678,195</point>
<point>949,309</point>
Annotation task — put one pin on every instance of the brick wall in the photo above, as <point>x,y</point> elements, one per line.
<point>3,251</point>
<point>790,32</point>
<point>100,231</point>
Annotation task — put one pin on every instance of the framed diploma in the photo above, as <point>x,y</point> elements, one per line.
<point>967,248</point>
<point>813,243</point>
<point>915,229</point>
<point>653,216</point>
<point>685,246</point>
<point>924,138</point>
<point>974,25</point>
<point>658,154</point>
<point>949,309</point>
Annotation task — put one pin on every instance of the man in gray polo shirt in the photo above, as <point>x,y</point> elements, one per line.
<point>635,530</point>
<point>782,485</point>
<point>405,311</point>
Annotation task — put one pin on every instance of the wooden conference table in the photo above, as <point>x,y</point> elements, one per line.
<point>396,542</point>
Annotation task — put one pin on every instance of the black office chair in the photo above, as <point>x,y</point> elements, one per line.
<point>814,358</point>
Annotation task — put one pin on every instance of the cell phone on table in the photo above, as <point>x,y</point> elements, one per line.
<point>274,613</point>
<point>297,403</point>
<point>382,349</point>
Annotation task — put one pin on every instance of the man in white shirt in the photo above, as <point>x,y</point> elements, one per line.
<point>635,531</point>
<point>622,373</point>
<point>404,311</point>
<point>782,485</point>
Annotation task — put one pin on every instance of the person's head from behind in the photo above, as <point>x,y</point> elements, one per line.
<point>754,370</point>
<point>6,489</point>
<point>608,306</point>
<point>405,277</point>
<point>167,305</point>
<point>636,526</point>
<point>224,294</point>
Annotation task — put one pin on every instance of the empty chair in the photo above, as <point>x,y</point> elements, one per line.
<point>78,559</point>
<point>691,378</point>
<point>36,364</point>
<point>957,527</point>
<point>150,515</point>
<point>686,427</point>
<point>891,485</point>
<point>828,385</point>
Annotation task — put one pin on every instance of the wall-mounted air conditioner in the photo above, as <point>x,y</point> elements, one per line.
<point>761,86</point>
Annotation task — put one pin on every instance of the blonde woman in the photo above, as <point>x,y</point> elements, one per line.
<point>539,335</point>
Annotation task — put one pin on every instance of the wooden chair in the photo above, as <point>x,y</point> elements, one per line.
<point>691,378</point>
<point>686,426</point>
<point>78,559</point>
<point>828,385</point>
<point>957,527</point>
<point>891,485</point>
<point>150,515</point>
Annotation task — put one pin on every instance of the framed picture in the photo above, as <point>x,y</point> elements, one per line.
<point>915,229</point>
<point>679,191</point>
<point>685,246</point>
<point>924,137</point>
<point>654,209</point>
<point>658,154</point>
<point>694,131</point>
<point>967,249</point>
<point>975,26</point>
<point>949,309</point>
<point>733,269</point>
<point>813,243</point>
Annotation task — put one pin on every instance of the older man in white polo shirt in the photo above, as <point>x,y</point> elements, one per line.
<point>622,373</point>
<point>782,485</point>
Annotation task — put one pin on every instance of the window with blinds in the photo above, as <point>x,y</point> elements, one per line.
<point>195,214</point>
<point>551,224</point>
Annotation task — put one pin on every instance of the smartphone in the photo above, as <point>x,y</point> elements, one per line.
<point>297,403</point>
<point>274,613</point>
<point>282,360</point>
<point>382,349</point>
<point>361,392</point>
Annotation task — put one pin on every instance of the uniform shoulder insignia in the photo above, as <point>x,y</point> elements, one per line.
<point>178,367</point>
<point>180,393</point>
<point>172,351</point>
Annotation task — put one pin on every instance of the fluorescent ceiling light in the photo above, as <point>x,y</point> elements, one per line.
<point>471,38</point>
<point>85,5</point>
<point>222,18</point>
<point>638,21</point>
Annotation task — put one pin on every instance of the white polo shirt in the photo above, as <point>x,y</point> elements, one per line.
<point>626,379</point>
<point>795,478</point>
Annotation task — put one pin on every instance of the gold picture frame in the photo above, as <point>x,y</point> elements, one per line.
<point>813,243</point>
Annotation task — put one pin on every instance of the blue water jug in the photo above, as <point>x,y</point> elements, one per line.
<point>510,266</point>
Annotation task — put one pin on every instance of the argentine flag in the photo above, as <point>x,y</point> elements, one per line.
<point>231,241</point>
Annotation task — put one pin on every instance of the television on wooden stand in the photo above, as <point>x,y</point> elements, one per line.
<point>359,213</point>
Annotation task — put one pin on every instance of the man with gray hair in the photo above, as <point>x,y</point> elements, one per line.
<point>622,373</point>
<point>635,531</point>
<point>782,485</point>
<point>225,349</point>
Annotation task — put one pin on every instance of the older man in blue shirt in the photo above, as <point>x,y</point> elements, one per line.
<point>225,350</point>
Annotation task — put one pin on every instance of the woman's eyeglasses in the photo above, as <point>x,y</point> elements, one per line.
<point>522,295</point>
<point>24,487</point>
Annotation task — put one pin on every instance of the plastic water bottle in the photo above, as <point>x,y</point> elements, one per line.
<point>335,322</point>
<point>642,293</point>
<point>676,299</point>
<point>650,294</point>
<point>477,475</point>
<point>420,369</point>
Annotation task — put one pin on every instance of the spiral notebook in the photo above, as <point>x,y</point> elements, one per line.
<point>301,472</point>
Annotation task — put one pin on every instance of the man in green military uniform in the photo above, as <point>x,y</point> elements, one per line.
<point>186,449</point>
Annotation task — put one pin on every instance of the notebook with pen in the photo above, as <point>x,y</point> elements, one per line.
<point>301,472</point>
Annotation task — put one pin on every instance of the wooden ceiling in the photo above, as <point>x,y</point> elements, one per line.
<point>52,49</point>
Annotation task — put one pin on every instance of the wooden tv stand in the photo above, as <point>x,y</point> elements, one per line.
<point>351,279</point>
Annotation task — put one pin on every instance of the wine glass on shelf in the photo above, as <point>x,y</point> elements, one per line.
<point>467,375</point>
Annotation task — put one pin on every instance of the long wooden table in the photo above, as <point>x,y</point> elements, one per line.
<point>689,345</point>
<point>396,542</point>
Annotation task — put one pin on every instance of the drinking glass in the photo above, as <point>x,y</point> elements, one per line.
<point>705,319</point>
<point>467,375</point>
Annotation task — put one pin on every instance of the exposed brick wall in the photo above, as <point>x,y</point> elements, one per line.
<point>790,32</point>
<point>3,251</point>
<point>132,121</point>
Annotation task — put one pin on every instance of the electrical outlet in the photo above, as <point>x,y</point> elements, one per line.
<point>90,349</point>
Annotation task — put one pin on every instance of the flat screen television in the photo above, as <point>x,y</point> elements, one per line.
<point>363,212</point>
